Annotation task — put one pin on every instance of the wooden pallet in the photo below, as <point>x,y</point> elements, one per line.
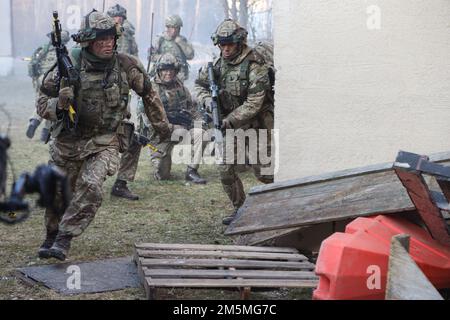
<point>218,267</point>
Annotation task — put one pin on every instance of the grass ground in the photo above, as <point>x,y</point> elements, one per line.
<point>169,212</point>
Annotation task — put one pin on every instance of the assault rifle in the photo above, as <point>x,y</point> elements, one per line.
<point>217,121</point>
<point>68,76</point>
<point>181,118</point>
<point>146,142</point>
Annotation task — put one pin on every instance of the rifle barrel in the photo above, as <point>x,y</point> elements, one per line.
<point>151,43</point>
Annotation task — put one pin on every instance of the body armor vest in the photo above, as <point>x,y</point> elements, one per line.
<point>174,98</point>
<point>170,46</point>
<point>102,99</point>
<point>233,83</point>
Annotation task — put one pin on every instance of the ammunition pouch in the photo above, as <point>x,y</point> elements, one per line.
<point>125,134</point>
<point>226,102</point>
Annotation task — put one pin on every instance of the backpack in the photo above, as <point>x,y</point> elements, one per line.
<point>265,50</point>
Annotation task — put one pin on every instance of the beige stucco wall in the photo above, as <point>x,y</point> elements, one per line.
<point>6,60</point>
<point>349,94</point>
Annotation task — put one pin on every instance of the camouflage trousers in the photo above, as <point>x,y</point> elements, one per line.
<point>162,160</point>
<point>86,180</point>
<point>129,162</point>
<point>231,183</point>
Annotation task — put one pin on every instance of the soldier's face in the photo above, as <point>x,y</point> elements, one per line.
<point>118,20</point>
<point>168,75</point>
<point>103,47</point>
<point>172,32</point>
<point>229,50</point>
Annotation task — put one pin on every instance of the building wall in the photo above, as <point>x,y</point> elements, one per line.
<point>6,61</point>
<point>359,80</point>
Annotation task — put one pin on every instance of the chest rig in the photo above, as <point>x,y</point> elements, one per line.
<point>233,81</point>
<point>170,46</point>
<point>102,98</point>
<point>174,98</point>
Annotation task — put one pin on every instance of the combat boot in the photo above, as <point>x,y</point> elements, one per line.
<point>120,189</point>
<point>193,176</point>
<point>61,247</point>
<point>44,250</point>
<point>227,220</point>
<point>45,135</point>
<point>32,126</point>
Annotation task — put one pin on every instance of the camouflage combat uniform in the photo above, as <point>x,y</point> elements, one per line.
<point>179,47</point>
<point>90,153</point>
<point>244,102</point>
<point>126,44</point>
<point>177,102</point>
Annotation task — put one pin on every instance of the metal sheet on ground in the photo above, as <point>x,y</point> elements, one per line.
<point>95,277</point>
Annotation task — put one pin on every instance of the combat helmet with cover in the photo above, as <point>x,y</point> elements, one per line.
<point>229,31</point>
<point>174,21</point>
<point>168,61</point>
<point>96,25</point>
<point>65,36</point>
<point>117,11</point>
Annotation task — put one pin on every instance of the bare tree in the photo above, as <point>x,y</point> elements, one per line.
<point>234,10</point>
<point>243,13</point>
<point>226,8</point>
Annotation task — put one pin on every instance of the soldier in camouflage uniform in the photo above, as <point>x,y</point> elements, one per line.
<point>90,152</point>
<point>172,42</point>
<point>127,42</point>
<point>43,59</point>
<point>181,112</point>
<point>245,100</point>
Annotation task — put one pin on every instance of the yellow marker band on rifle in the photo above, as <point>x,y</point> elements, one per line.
<point>153,148</point>
<point>72,113</point>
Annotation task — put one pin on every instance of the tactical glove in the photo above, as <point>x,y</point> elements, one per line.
<point>66,97</point>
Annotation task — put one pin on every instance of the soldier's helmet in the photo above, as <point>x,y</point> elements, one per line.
<point>65,36</point>
<point>117,11</point>
<point>168,61</point>
<point>96,25</point>
<point>174,22</point>
<point>229,31</point>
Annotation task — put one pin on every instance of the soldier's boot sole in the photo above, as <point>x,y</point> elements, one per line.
<point>58,253</point>
<point>227,220</point>
<point>124,195</point>
<point>31,131</point>
<point>44,253</point>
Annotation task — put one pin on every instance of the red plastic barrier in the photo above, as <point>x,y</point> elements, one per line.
<point>354,264</point>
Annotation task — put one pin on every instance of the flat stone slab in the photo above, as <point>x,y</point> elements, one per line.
<point>84,277</point>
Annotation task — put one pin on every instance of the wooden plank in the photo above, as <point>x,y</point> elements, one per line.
<point>421,197</point>
<point>150,293</point>
<point>332,197</point>
<point>221,254</point>
<point>258,238</point>
<point>230,283</point>
<point>444,184</point>
<point>379,193</point>
<point>212,274</point>
<point>216,263</point>
<point>405,280</point>
<point>214,247</point>
<point>342,174</point>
